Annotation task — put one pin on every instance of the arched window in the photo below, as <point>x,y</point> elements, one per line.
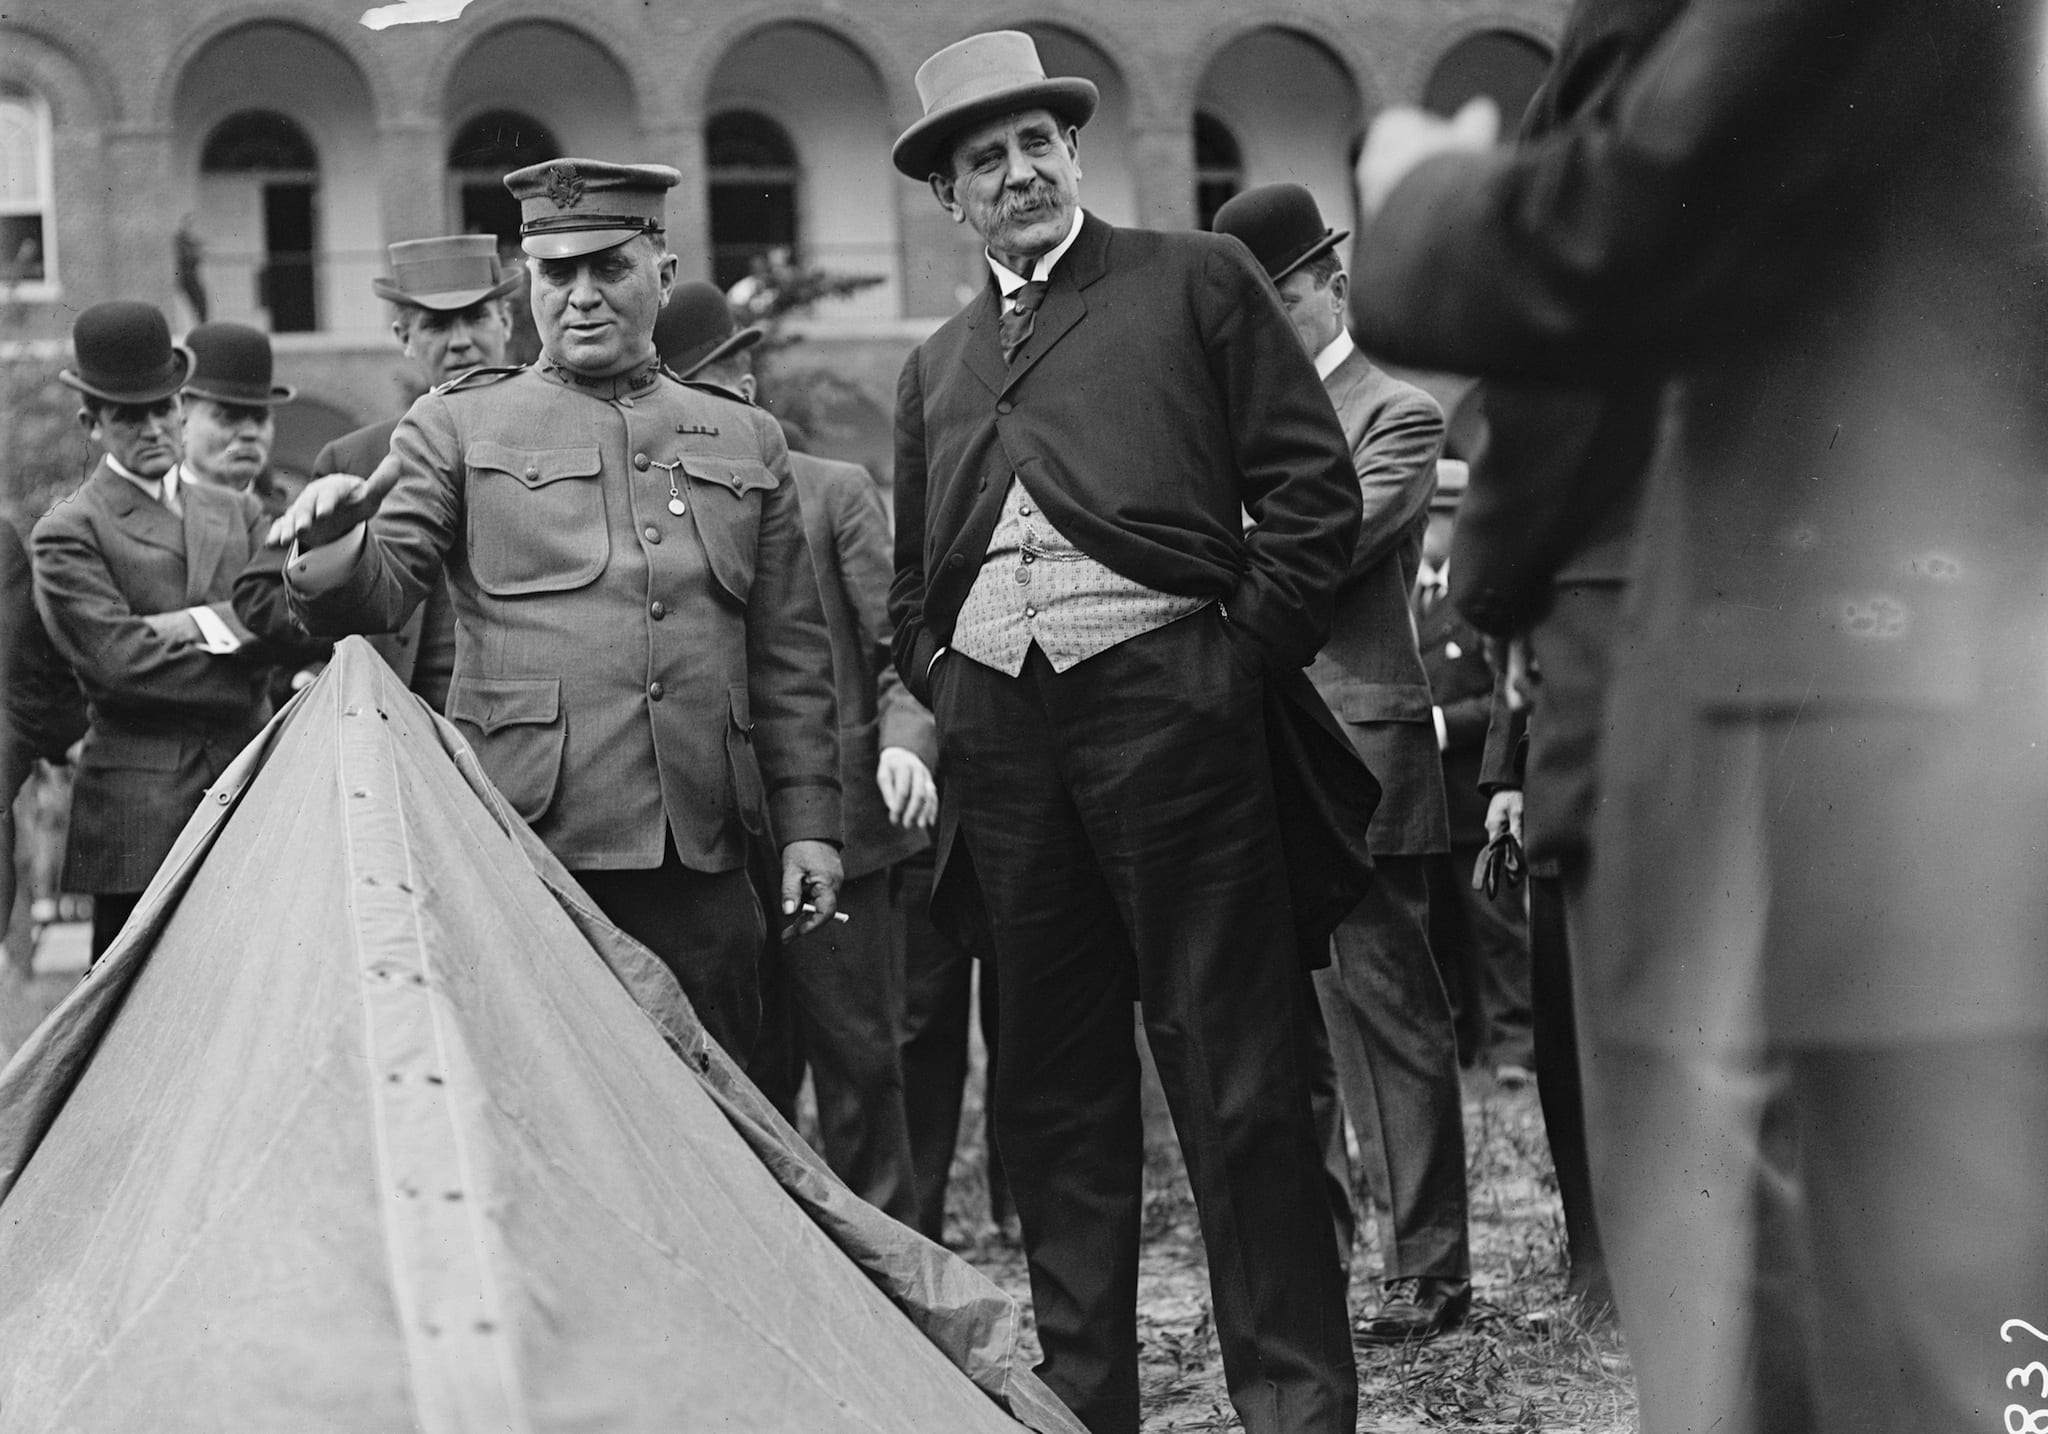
<point>26,221</point>
<point>273,153</point>
<point>1500,64</point>
<point>753,181</point>
<point>1219,167</point>
<point>483,152</point>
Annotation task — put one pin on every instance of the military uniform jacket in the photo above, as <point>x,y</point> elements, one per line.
<point>627,673</point>
<point>1369,671</point>
<point>166,716</point>
<point>848,532</point>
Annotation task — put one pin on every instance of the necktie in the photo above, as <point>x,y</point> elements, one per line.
<point>1018,322</point>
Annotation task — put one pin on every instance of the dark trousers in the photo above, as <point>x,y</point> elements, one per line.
<point>1558,1087</point>
<point>706,927</point>
<point>943,980</point>
<point>1120,818</point>
<point>1397,1066</point>
<point>110,912</point>
<point>833,1001</point>
<point>1481,946</point>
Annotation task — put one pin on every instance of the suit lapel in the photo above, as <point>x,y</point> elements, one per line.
<point>984,353</point>
<point>1064,306</point>
<point>206,539</point>
<point>140,516</point>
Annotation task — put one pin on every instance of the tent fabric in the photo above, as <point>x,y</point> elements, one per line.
<point>370,1121</point>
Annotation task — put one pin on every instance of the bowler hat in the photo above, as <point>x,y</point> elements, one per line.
<point>124,354</point>
<point>570,207</point>
<point>1281,225</point>
<point>234,366</point>
<point>979,78</point>
<point>696,329</point>
<point>446,274</point>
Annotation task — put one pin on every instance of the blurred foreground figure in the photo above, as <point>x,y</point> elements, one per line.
<point>1819,847</point>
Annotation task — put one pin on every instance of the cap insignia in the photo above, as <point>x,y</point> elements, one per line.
<point>565,187</point>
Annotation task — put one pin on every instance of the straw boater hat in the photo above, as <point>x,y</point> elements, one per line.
<point>446,274</point>
<point>124,354</point>
<point>980,78</point>
<point>696,329</point>
<point>571,207</point>
<point>1281,225</point>
<point>233,366</point>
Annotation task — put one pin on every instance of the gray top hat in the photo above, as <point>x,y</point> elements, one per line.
<point>446,274</point>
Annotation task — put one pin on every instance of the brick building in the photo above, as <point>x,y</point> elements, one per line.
<point>256,158</point>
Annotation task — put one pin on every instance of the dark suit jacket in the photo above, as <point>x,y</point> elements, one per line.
<point>848,532</point>
<point>44,712</point>
<point>1461,681</point>
<point>1162,395</point>
<point>1369,671</point>
<point>167,716</point>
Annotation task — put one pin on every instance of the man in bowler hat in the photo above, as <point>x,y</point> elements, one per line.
<point>450,313</point>
<point>132,574</point>
<point>641,661</point>
<point>1078,601</point>
<point>229,409</point>
<point>837,992</point>
<point>1389,1021</point>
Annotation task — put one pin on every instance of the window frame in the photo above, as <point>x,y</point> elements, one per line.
<point>49,286</point>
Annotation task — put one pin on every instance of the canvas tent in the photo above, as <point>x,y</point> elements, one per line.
<point>369,1122</point>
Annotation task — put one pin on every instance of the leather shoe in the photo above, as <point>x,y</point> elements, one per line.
<point>1415,1309</point>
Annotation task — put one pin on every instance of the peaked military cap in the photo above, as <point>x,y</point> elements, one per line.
<point>445,274</point>
<point>124,354</point>
<point>579,206</point>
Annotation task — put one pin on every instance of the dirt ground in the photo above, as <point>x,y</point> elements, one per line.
<point>1518,1366</point>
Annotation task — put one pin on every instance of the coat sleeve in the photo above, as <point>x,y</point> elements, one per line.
<point>1632,235</point>
<point>789,666</point>
<point>1295,468</point>
<point>1507,734</point>
<point>1395,458</point>
<point>45,713</point>
<point>913,645</point>
<point>119,658</point>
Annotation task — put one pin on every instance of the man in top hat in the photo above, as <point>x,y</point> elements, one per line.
<point>132,573</point>
<point>229,407</point>
<point>840,986</point>
<point>1389,1021</point>
<point>1079,602</point>
<point>450,315</point>
<point>641,661</point>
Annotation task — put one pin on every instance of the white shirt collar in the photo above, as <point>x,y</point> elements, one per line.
<point>1009,283</point>
<point>1339,349</point>
<point>162,489</point>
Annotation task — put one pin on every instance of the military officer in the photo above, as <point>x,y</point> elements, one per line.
<point>641,658</point>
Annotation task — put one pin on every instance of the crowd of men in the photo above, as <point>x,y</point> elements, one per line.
<point>1172,688</point>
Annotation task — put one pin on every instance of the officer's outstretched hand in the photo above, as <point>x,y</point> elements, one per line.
<point>810,886</point>
<point>328,507</point>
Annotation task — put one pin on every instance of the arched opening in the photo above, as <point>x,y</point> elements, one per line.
<point>27,225</point>
<point>1219,167</point>
<point>753,193</point>
<point>281,227</point>
<point>484,150</point>
<point>1294,110</point>
<point>1506,67</point>
<point>796,150</point>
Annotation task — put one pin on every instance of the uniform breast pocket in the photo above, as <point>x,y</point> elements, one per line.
<point>515,724</point>
<point>536,518</point>
<point>728,493</point>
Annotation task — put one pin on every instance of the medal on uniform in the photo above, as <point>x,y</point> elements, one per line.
<point>675,494</point>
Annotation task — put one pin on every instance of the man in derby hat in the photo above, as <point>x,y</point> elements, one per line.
<point>450,314</point>
<point>1102,642</point>
<point>132,574</point>
<point>838,991</point>
<point>228,405</point>
<point>1389,1022</point>
<point>641,661</point>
